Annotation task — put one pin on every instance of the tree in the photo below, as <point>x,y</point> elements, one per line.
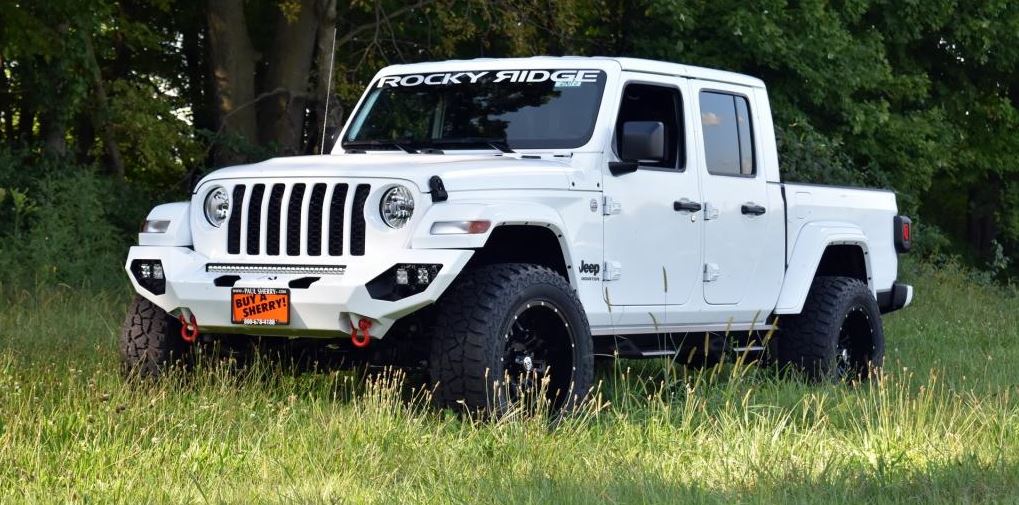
<point>917,96</point>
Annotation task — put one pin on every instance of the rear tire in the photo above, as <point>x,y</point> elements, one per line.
<point>838,336</point>
<point>150,340</point>
<point>519,321</point>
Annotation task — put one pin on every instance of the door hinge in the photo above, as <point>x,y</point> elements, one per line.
<point>613,271</point>
<point>711,272</point>
<point>610,206</point>
<point>710,212</point>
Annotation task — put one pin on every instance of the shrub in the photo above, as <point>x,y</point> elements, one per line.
<point>61,223</point>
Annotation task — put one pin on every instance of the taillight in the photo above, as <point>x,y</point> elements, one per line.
<point>903,234</point>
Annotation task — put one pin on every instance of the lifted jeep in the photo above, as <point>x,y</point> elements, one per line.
<point>497,222</point>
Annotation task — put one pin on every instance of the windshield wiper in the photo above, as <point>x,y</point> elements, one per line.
<point>499,144</point>
<point>366,144</point>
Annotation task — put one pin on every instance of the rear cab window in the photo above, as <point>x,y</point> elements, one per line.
<point>728,134</point>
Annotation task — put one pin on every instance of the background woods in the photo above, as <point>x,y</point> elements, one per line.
<point>108,106</point>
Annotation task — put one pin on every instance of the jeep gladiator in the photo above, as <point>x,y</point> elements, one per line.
<point>496,222</point>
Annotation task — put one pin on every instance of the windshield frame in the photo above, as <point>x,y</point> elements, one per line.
<point>607,72</point>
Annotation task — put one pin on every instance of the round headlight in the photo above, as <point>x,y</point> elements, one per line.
<point>217,206</point>
<point>397,206</point>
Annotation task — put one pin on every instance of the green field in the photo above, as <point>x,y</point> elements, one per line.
<point>941,426</point>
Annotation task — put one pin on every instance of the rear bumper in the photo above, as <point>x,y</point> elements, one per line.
<point>900,296</point>
<point>323,309</point>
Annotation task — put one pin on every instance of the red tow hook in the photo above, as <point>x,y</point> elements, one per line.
<point>361,339</point>
<point>188,331</point>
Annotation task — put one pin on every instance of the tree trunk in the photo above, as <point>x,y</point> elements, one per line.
<point>233,71</point>
<point>54,114</point>
<point>101,115</point>
<point>199,87</point>
<point>6,105</point>
<point>323,87</point>
<point>981,226</point>
<point>26,119</point>
<point>281,115</point>
<point>54,134</point>
<point>84,137</point>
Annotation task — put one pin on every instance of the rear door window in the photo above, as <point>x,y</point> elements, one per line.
<point>728,134</point>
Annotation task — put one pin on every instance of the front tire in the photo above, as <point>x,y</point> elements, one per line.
<point>150,340</point>
<point>518,322</point>
<point>838,336</point>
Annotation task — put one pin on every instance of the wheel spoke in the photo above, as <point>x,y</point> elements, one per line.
<point>529,347</point>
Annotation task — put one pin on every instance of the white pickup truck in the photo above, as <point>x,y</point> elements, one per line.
<point>498,221</point>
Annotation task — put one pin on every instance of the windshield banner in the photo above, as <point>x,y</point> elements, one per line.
<point>561,78</point>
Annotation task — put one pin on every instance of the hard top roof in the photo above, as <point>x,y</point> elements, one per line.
<point>628,64</point>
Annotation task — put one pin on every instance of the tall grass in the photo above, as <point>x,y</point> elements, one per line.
<point>941,424</point>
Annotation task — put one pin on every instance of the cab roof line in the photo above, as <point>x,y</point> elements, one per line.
<point>639,65</point>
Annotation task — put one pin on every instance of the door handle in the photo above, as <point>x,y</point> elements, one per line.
<point>685,205</point>
<point>753,209</point>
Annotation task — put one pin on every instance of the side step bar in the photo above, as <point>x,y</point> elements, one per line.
<point>649,346</point>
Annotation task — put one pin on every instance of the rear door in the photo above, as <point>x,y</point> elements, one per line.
<point>740,215</point>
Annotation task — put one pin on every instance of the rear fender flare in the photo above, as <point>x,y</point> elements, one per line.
<point>813,240</point>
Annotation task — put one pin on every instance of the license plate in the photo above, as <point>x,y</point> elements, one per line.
<point>260,306</point>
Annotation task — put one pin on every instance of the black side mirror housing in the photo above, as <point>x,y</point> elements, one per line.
<point>642,141</point>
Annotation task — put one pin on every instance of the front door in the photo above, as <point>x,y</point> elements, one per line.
<point>652,226</point>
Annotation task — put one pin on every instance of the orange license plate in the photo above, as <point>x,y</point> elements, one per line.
<point>260,306</point>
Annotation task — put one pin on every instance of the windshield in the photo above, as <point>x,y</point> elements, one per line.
<point>518,109</point>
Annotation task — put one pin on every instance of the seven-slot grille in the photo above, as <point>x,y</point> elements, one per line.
<point>295,218</point>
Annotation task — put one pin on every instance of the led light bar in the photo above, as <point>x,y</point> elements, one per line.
<point>276,269</point>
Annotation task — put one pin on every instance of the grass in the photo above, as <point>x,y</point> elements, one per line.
<point>941,425</point>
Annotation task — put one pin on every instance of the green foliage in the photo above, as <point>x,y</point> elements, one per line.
<point>935,248</point>
<point>236,144</point>
<point>59,226</point>
<point>809,156</point>
<point>71,238</point>
<point>155,135</point>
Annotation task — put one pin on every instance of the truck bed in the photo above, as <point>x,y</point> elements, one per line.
<point>856,210</point>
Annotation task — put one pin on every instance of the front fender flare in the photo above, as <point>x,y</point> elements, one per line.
<point>178,234</point>
<point>805,257</point>
<point>499,214</point>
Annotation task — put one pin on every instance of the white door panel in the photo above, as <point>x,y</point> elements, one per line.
<point>734,241</point>
<point>743,219</point>
<point>657,247</point>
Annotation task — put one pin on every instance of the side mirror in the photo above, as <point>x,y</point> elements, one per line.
<point>642,141</point>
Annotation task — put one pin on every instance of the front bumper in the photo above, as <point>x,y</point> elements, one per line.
<point>900,296</point>
<point>326,308</point>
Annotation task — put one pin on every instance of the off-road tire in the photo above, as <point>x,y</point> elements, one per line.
<point>150,340</point>
<point>472,326</point>
<point>837,308</point>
